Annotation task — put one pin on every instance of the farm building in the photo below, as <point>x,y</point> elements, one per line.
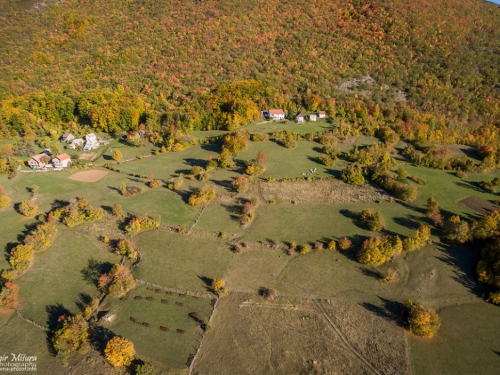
<point>276,114</point>
<point>61,161</point>
<point>312,117</point>
<point>91,142</point>
<point>67,137</point>
<point>76,143</point>
<point>322,114</point>
<point>299,119</point>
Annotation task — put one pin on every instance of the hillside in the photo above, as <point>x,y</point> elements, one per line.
<point>167,57</point>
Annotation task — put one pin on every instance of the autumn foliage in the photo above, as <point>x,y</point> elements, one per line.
<point>119,351</point>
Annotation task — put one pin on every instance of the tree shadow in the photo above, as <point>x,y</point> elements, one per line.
<point>410,221</point>
<point>392,311</point>
<point>99,337</point>
<point>234,211</point>
<point>83,301</point>
<point>54,313</point>
<point>226,184</point>
<point>107,209</point>
<point>354,216</point>
<point>185,194</point>
<point>8,249</point>
<point>58,203</point>
<point>370,272</point>
<point>207,281</point>
<point>463,259</point>
<point>470,185</point>
<point>115,189</point>
<point>94,270</point>
<point>497,353</point>
<point>214,147</point>
<point>195,162</point>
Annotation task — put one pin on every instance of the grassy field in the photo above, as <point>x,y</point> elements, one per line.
<point>170,350</point>
<point>280,335</point>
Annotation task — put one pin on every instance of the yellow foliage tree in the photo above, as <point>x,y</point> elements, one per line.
<point>119,351</point>
<point>421,321</point>
<point>71,336</point>
<point>117,155</point>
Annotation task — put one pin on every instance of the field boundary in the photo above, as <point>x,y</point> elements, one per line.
<point>175,290</point>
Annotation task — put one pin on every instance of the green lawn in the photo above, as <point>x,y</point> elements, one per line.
<point>55,280</point>
<point>166,350</point>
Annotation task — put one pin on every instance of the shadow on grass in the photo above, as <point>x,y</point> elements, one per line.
<point>392,311</point>
<point>214,147</point>
<point>207,281</point>
<point>470,185</point>
<point>54,314</point>
<point>195,162</point>
<point>8,249</point>
<point>410,221</point>
<point>234,211</point>
<point>99,337</point>
<point>94,270</point>
<point>83,301</point>
<point>370,272</point>
<point>463,259</point>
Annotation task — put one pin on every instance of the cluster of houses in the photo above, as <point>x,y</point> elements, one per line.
<point>89,143</point>
<point>279,114</point>
<point>44,160</point>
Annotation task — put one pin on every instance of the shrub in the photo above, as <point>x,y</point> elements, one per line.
<point>138,224</point>
<point>218,286</point>
<point>328,139</point>
<point>377,251</point>
<point>105,239</point>
<point>421,321</point>
<point>8,295</point>
<point>304,249</point>
<point>176,184</point>
<point>196,170</point>
<point>28,208</point>
<point>327,160</point>
<point>155,184</point>
<point>353,175</point>
<point>225,160</point>
<point>79,211</point>
<point>240,184</point>
<point>4,201</point>
<point>417,240</point>
<point>373,221</point>
<point>117,155</point>
<point>202,196</point>
<point>127,248</point>
<point>117,210</point>
<point>119,351</point>
<point>269,293</point>
<point>332,245</point>
<point>21,256</point>
<point>131,191</point>
<point>42,236</point>
<point>418,180</point>
<point>345,244</point>
<point>389,276</point>
<point>455,230</point>
<point>71,336</point>
<point>118,282</point>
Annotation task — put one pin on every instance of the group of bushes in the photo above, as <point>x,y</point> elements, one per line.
<point>130,191</point>
<point>117,282</point>
<point>138,224</point>
<point>78,211</point>
<point>377,251</point>
<point>4,199</point>
<point>38,239</point>
<point>202,196</point>
<point>128,249</point>
<point>256,166</point>
<point>385,179</point>
<point>248,211</point>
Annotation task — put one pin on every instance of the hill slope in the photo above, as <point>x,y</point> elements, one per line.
<point>442,54</point>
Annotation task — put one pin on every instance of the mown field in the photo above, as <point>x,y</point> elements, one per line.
<point>332,315</point>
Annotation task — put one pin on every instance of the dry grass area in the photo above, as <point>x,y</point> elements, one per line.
<point>87,156</point>
<point>89,176</point>
<point>478,205</point>
<point>333,191</point>
<point>299,336</point>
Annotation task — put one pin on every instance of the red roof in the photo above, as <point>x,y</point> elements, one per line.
<point>322,112</point>
<point>63,157</point>
<point>65,135</point>
<point>276,112</point>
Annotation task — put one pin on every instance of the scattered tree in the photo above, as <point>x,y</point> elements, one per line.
<point>117,155</point>
<point>421,321</point>
<point>119,351</point>
<point>71,336</point>
<point>373,221</point>
<point>352,174</point>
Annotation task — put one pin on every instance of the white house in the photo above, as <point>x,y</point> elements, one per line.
<point>322,114</point>
<point>91,142</point>
<point>312,117</point>
<point>73,145</point>
<point>67,137</point>
<point>299,118</point>
<point>276,114</point>
<point>61,161</point>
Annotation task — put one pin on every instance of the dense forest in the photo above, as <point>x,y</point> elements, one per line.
<point>428,69</point>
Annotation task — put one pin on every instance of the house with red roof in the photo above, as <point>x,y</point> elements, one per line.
<point>276,114</point>
<point>62,161</point>
<point>39,161</point>
<point>322,114</point>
